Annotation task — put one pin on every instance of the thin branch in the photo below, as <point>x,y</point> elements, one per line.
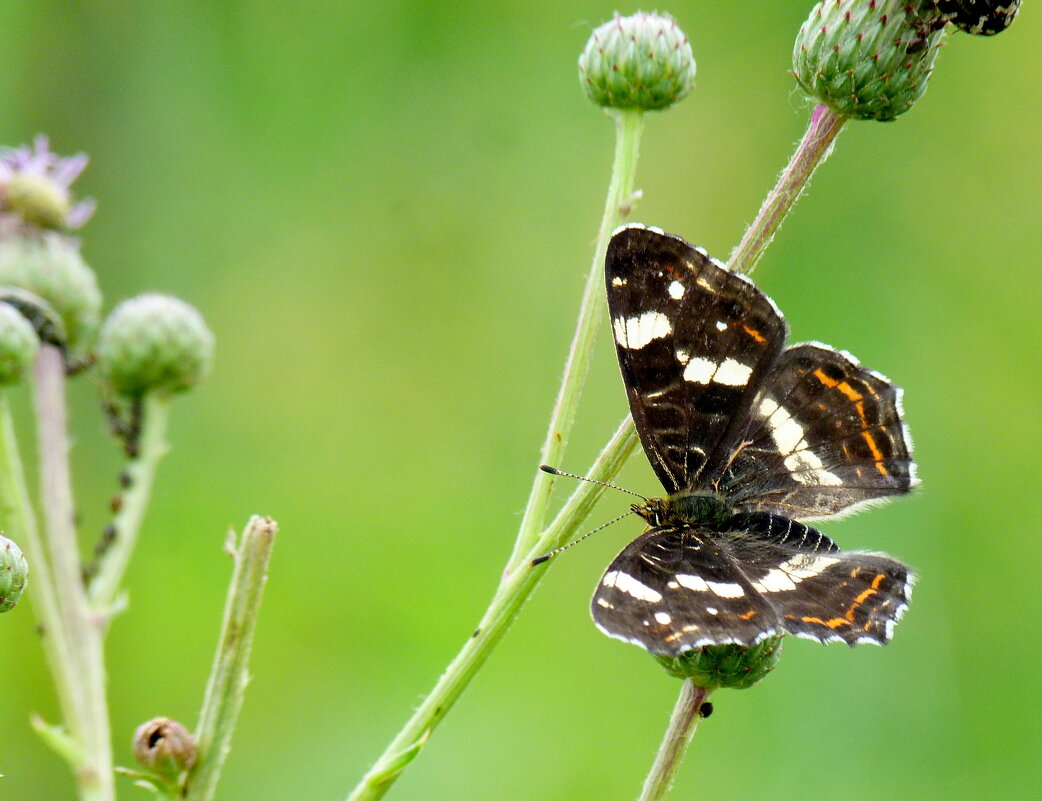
<point>226,687</point>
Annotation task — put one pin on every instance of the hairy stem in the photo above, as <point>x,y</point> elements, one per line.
<point>515,589</point>
<point>617,205</point>
<point>141,470</point>
<point>20,519</point>
<point>812,150</point>
<point>82,631</point>
<point>230,674</point>
<point>681,729</point>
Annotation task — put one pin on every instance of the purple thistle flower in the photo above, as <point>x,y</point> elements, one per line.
<point>34,187</point>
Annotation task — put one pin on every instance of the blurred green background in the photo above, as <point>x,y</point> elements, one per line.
<point>385,212</point>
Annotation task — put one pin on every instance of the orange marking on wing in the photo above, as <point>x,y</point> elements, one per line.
<point>754,334</point>
<point>834,623</point>
<point>878,580</point>
<point>859,404</point>
<point>857,602</point>
<point>854,572</point>
<point>748,615</point>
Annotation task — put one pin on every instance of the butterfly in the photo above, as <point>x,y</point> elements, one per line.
<point>979,17</point>
<point>748,437</point>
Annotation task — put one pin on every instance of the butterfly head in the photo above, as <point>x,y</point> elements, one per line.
<point>690,506</point>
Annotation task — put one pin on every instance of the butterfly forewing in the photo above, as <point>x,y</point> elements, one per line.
<point>694,342</point>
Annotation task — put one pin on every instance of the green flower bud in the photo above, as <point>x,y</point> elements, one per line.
<point>14,571</point>
<point>735,666</point>
<point>50,266</point>
<point>638,62</point>
<point>154,343</point>
<point>18,345</point>
<point>868,59</point>
<point>165,746</point>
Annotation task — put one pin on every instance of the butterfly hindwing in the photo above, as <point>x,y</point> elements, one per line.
<point>677,588</point>
<point>826,436</point>
<point>826,595</point>
<point>694,342</point>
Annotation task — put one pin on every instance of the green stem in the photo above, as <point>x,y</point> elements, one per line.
<point>20,518</point>
<point>812,150</point>
<point>617,205</point>
<point>230,674</point>
<point>82,631</point>
<point>681,729</point>
<point>152,446</point>
<point>515,589</point>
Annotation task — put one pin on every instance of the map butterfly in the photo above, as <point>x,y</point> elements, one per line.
<point>747,436</point>
<point>979,17</point>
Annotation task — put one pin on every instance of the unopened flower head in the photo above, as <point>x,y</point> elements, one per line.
<point>18,345</point>
<point>48,265</point>
<point>165,746</point>
<point>154,343</point>
<point>734,666</point>
<point>34,188</point>
<point>14,572</point>
<point>868,59</point>
<point>643,61</point>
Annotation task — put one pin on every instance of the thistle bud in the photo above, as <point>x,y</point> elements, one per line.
<point>868,59</point>
<point>165,746</point>
<point>735,666</point>
<point>49,266</point>
<point>154,343</point>
<point>639,62</point>
<point>18,345</point>
<point>14,571</point>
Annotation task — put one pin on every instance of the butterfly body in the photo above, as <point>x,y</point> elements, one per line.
<point>746,436</point>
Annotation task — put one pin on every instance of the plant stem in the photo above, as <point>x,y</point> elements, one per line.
<point>82,631</point>
<point>812,150</point>
<point>681,729</point>
<point>230,674</point>
<point>21,522</point>
<point>152,446</point>
<point>617,205</point>
<point>515,589</point>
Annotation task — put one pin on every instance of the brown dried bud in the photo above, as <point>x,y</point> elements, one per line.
<point>165,746</point>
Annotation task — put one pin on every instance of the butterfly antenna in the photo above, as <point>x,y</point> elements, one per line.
<point>540,559</point>
<point>555,472</point>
